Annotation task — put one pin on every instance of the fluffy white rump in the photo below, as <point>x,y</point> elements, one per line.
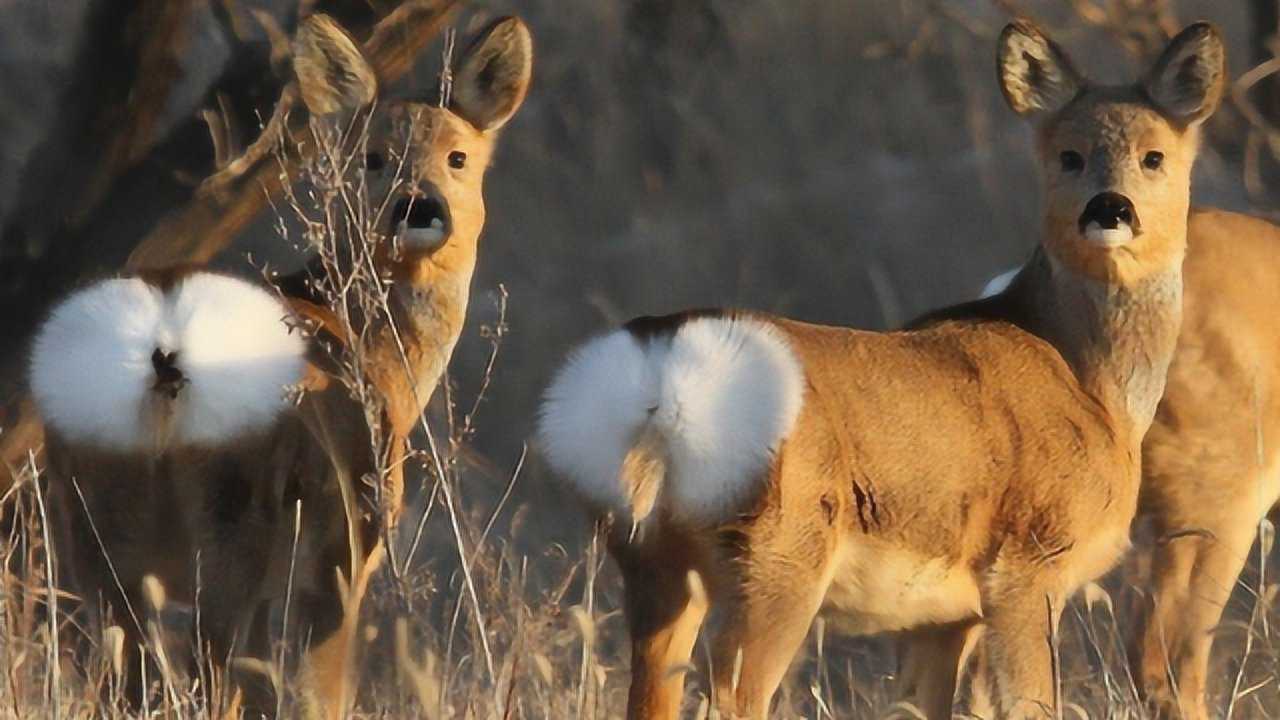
<point>722,393</point>
<point>91,369</point>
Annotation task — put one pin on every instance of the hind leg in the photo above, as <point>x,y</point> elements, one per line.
<point>237,640</point>
<point>933,658</point>
<point>763,630</point>
<point>109,600</point>
<point>770,594</point>
<point>666,603</point>
<point>113,618</point>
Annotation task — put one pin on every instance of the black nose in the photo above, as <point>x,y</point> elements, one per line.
<point>1109,209</point>
<point>418,212</point>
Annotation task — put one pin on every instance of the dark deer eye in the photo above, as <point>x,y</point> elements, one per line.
<point>1153,160</point>
<point>457,159</point>
<point>1071,160</point>
<point>373,162</point>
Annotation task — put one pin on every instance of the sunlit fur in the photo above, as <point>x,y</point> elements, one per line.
<point>973,471</point>
<point>1211,460</point>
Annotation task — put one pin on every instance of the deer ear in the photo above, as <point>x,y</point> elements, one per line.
<point>332,73</point>
<point>493,74</point>
<point>1189,78</point>
<point>1035,74</point>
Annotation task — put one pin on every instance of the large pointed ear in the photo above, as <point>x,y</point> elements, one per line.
<point>493,74</point>
<point>1035,74</point>
<point>332,73</point>
<point>1189,78</point>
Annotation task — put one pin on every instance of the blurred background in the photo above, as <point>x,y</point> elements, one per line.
<point>845,162</point>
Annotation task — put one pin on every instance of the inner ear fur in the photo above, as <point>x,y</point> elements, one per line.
<point>1035,75</point>
<point>333,75</point>
<point>1189,78</point>
<point>493,74</point>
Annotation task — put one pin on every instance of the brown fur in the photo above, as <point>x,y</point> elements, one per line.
<point>976,471</point>
<point>222,519</point>
<point>1211,462</point>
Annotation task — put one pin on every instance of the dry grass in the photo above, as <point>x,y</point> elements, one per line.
<point>554,631</point>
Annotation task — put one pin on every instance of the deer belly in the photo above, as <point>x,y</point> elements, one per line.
<point>885,590</point>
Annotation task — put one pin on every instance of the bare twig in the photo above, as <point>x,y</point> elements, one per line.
<point>231,199</point>
<point>288,597</point>
<point>53,688</point>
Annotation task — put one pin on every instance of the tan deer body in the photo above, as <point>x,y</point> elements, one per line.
<point>192,466</point>
<point>1211,466</point>
<point>1211,462</point>
<point>760,470</point>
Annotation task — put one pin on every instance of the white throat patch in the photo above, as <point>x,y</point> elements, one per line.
<point>1120,235</point>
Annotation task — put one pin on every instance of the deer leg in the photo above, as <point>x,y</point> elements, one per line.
<point>1194,576</point>
<point>109,600</point>
<point>975,671</point>
<point>1020,630</point>
<point>933,658</point>
<point>665,604</point>
<point>133,670</point>
<point>326,674</point>
<point>246,643</point>
<point>765,626</point>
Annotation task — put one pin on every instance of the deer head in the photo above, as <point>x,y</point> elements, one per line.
<point>1115,160</point>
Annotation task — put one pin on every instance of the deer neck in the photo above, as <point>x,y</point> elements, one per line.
<point>428,304</point>
<point>1117,333</point>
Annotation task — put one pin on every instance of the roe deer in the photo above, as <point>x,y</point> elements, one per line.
<point>1211,460</point>
<point>172,448</point>
<point>976,471</point>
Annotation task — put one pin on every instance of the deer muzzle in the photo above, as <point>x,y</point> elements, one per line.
<point>420,223</point>
<point>1109,220</point>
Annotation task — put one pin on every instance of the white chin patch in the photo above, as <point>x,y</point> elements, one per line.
<point>1115,237</point>
<point>427,238</point>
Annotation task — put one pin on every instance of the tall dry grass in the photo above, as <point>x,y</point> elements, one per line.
<point>554,635</point>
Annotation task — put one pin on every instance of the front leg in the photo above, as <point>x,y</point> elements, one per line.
<point>1021,626</point>
<point>328,623</point>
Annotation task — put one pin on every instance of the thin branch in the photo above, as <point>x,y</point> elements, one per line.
<point>54,684</point>
<point>229,200</point>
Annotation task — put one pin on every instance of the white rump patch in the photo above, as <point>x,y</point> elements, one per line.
<point>92,374</point>
<point>722,394</point>
<point>999,283</point>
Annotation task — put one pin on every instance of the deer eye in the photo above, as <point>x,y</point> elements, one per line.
<point>1071,160</point>
<point>373,162</point>
<point>457,159</point>
<point>1153,160</point>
